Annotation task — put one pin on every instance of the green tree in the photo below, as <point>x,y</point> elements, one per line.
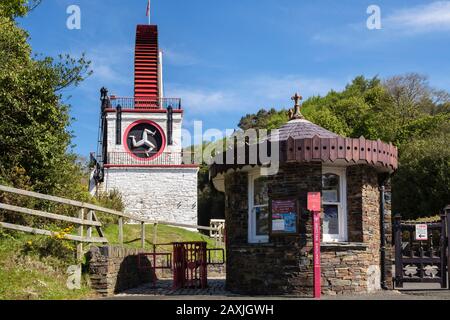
<point>211,203</point>
<point>422,184</point>
<point>17,8</point>
<point>34,138</point>
<point>264,119</point>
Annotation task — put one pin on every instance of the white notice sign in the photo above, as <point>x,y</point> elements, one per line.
<point>278,225</point>
<point>421,232</point>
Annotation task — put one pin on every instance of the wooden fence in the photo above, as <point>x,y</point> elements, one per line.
<point>87,219</point>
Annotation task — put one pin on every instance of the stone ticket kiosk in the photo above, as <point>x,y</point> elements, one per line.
<point>269,229</point>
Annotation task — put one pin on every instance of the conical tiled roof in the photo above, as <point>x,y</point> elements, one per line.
<point>302,129</point>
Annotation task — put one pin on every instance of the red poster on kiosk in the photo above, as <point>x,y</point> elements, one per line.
<point>314,205</point>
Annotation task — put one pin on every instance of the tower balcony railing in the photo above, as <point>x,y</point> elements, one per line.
<point>144,103</point>
<point>139,159</point>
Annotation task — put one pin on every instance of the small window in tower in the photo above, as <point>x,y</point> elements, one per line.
<point>334,204</point>
<point>258,230</point>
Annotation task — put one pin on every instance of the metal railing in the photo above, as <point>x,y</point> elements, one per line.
<point>218,231</point>
<point>140,158</point>
<point>145,103</point>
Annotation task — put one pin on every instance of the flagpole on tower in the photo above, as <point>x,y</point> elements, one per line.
<point>148,11</point>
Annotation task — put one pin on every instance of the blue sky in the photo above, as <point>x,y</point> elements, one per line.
<point>226,58</point>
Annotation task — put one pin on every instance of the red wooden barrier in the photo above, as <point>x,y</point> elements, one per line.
<point>189,265</point>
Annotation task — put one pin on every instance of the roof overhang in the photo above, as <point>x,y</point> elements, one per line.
<point>337,150</point>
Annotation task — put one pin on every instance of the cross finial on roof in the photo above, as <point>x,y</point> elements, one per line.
<point>297,98</point>
<point>295,113</point>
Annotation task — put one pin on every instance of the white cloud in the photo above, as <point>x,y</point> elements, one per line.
<point>112,67</point>
<point>270,88</point>
<point>410,21</point>
<point>250,94</point>
<point>107,63</point>
<point>434,16</point>
<point>177,58</point>
<point>197,100</point>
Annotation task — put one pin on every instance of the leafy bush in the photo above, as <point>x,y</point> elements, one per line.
<point>55,247</point>
<point>111,200</point>
<point>422,184</point>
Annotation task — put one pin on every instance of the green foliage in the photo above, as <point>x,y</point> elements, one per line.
<point>329,120</point>
<point>61,251</point>
<point>35,142</point>
<point>34,136</point>
<point>211,203</point>
<point>16,8</point>
<point>422,183</point>
<point>25,273</point>
<point>264,119</point>
<point>111,200</point>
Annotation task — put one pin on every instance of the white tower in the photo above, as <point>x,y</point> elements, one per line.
<point>140,152</point>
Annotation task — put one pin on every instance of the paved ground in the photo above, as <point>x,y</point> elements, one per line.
<point>216,291</point>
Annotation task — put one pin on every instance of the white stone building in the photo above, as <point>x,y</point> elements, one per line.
<point>140,152</point>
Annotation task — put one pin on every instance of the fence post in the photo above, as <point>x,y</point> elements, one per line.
<point>221,238</point>
<point>447,213</point>
<point>80,233</point>
<point>121,230</point>
<point>155,233</point>
<point>89,228</point>
<point>398,252</point>
<point>443,242</point>
<point>143,235</point>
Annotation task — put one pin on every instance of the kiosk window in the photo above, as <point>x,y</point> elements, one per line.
<point>258,230</point>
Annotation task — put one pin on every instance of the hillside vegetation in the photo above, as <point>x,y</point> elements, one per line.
<point>28,274</point>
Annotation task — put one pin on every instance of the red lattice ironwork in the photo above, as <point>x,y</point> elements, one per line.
<point>189,265</point>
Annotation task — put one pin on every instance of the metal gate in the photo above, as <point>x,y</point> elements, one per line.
<point>189,265</point>
<point>421,261</point>
<point>188,262</point>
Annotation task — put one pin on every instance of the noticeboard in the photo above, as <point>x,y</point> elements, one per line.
<point>421,232</point>
<point>284,218</point>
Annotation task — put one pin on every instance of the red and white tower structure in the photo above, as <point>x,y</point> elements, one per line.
<point>140,153</point>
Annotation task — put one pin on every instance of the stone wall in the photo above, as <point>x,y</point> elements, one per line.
<point>285,264</point>
<point>113,269</point>
<point>356,267</point>
<point>168,194</point>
